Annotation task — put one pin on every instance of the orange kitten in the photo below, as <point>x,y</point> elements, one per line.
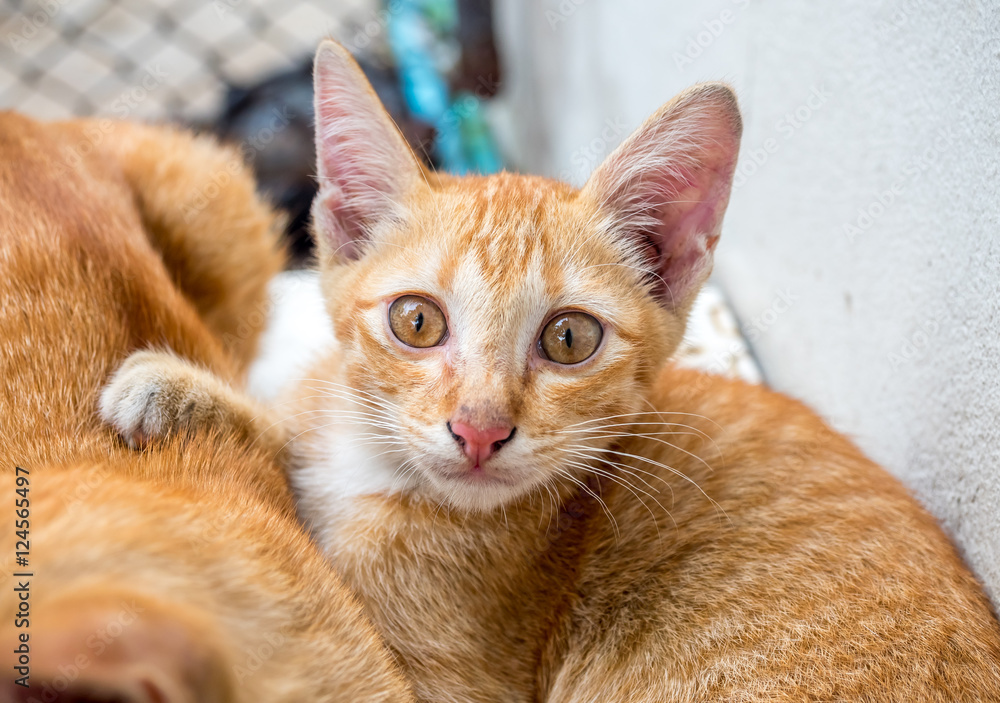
<point>531,503</point>
<point>179,574</point>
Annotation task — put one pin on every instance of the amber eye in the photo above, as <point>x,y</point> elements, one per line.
<point>571,337</point>
<point>417,322</point>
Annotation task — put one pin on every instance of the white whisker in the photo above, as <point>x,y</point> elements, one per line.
<point>604,507</point>
<point>634,490</point>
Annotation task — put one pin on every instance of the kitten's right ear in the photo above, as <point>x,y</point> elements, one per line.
<point>665,189</point>
<point>365,165</point>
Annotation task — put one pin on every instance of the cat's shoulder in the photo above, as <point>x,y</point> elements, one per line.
<point>725,399</point>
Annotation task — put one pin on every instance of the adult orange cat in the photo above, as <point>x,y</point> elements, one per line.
<point>179,574</point>
<point>532,504</point>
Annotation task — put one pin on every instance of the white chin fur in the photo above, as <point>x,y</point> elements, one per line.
<point>473,497</point>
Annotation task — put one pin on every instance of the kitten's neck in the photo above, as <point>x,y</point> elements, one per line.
<point>497,586</point>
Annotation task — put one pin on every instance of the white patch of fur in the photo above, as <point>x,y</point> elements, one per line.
<point>298,331</point>
<point>337,467</point>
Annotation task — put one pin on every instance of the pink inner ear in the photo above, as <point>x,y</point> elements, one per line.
<point>337,223</point>
<point>688,230</point>
<point>365,166</point>
<point>668,186</point>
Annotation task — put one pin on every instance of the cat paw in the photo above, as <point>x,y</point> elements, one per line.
<point>156,394</point>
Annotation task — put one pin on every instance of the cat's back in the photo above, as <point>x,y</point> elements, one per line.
<point>82,285</point>
<point>770,560</point>
<point>84,282</point>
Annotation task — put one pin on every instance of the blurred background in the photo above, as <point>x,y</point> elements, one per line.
<point>861,252</point>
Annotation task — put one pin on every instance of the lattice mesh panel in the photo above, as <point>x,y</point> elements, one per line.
<point>154,58</point>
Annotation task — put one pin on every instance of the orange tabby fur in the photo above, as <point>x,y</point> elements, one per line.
<point>649,533</point>
<point>179,573</point>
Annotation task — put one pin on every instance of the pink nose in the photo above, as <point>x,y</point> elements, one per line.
<point>480,443</point>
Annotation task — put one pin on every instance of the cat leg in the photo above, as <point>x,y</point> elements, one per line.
<point>155,394</point>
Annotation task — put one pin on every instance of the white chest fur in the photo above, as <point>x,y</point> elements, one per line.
<point>340,464</point>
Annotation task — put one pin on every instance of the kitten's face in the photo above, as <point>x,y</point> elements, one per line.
<point>501,323</point>
<point>502,328</point>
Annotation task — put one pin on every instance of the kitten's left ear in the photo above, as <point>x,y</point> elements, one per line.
<point>365,165</point>
<point>667,186</point>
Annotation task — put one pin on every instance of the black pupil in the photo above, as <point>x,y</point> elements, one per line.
<point>418,322</point>
<point>569,337</point>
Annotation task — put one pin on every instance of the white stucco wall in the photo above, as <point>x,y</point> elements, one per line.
<point>862,245</point>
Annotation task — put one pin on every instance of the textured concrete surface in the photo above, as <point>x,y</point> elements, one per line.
<point>862,247</point>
